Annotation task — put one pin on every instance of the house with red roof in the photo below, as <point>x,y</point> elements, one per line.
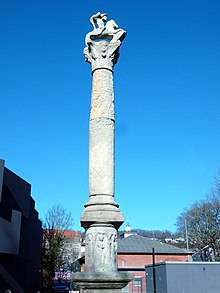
<point>135,252</point>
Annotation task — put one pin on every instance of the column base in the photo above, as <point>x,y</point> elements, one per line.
<point>105,282</point>
<point>102,213</point>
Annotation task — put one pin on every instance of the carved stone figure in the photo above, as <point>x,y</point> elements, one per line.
<point>101,247</point>
<point>98,18</point>
<point>102,250</point>
<point>108,31</point>
<point>113,247</point>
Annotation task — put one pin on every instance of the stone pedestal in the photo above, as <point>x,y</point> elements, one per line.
<point>102,217</point>
<point>102,282</point>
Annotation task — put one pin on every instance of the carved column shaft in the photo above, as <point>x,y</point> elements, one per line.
<point>101,207</point>
<point>101,137</point>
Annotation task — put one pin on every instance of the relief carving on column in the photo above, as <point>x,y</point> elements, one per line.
<point>103,246</point>
<point>89,246</point>
<point>100,53</point>
<point>113,247</point>
<point>101,142</point>
<point>102,104</point>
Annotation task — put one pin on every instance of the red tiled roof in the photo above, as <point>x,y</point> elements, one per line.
<point>72,233</point>
<point>67,233</point>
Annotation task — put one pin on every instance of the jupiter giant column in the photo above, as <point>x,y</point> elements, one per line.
<point>101,217</point>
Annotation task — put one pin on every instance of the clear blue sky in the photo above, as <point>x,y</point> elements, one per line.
<point>167,103</point>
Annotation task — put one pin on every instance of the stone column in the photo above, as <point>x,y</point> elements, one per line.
<point>101,207</point>
<point>101,217</point>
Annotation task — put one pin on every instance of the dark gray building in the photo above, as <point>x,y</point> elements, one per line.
<point>21,235</point>
<point>135,252</point>
<point>186,277</point>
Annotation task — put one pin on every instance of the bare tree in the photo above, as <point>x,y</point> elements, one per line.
<point>57,221</point>
<point>203,224</point>
<point>58,218</point>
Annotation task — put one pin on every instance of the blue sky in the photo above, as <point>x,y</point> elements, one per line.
<point>167,103</point>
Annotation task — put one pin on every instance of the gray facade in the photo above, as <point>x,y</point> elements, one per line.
<point>21,235</point>
<point>183,277</point>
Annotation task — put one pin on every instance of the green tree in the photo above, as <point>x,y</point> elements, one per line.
<point>57,221</point>
<point>202,220</point>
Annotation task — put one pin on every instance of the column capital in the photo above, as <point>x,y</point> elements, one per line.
<point>103,42</point>
<point>102,54</point>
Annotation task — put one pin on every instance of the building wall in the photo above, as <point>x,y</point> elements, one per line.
<point>21,236</point>
<point>141,260</point>
<point>125,260</point>
<point>72,245</point>
<point>188,277</point>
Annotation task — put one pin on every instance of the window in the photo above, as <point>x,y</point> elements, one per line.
<point>137,281</point>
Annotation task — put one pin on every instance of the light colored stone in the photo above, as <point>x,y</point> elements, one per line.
<point>101,206</point>
<point>102,281</point>
<point>104,29</point>
<point>102,54</point>
<point>101,157</point>
<point>101,245</point>
<point>101,213</point>
<point>102,217</point>
<point>102,103</point>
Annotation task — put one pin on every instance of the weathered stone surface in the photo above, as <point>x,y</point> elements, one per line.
<point>102,103</point>
<point>102,54</point>
<point>104,29</point>
<point>102,217</point>
<point>101,157</point>
<point>97,212</point>
<point>101,245</point>
<point>101,134</point>
<point>99,280</point>
<point>101,207</point>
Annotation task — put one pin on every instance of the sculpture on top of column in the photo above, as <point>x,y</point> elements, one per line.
<point>103,53</point>
<point>109,30</point>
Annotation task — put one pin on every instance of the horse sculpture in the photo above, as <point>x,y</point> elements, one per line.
<point>108,31</point>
